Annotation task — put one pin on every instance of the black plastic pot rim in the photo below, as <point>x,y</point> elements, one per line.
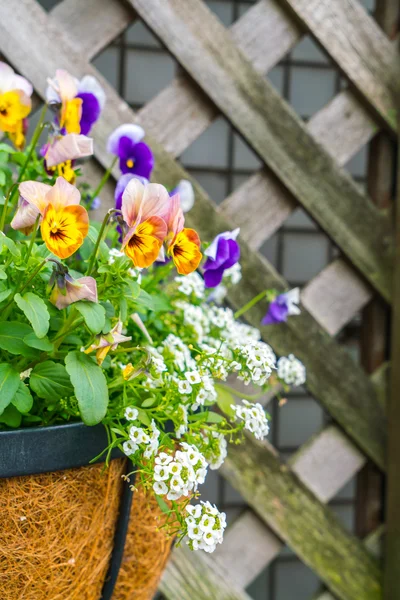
<point>35,450</point>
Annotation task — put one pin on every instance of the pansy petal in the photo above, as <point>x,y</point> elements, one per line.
<point>185,251</point>
<point>72,225</point>
<point>90,111</point>
<point>89,84</point>
<point>6,77</point>
<point>132,200</point>
<point>121,185</point>
<point>35,193</point>
<point>175,218</point>
<point>25,217</point>
<point>63,194</point>
<point>67,84</point>
<point>20,83</point>
<point>186,194</point>
<point>155,201</point>
<point>69,147</point>
<point>134,132</point>
<point>211,251</point>
<point>213,277</point>
<point>144,244</point>
<point>83,288</point>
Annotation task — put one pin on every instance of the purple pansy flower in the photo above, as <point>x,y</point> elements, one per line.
<point>222,254</point>
<point>93,99</point>
<point>282,307</point>
<point>135,156</point>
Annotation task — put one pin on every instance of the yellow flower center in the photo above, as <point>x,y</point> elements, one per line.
<point>130,163</point>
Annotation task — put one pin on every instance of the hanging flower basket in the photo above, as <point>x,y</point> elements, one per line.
<point>114,346</point>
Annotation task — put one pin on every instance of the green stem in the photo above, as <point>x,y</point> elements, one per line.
<point>99,238</point>
<point>4,212</point>
<point>65,329</point>
<point>250,304</point>
<point>32,240</point>
<point>103,181</point>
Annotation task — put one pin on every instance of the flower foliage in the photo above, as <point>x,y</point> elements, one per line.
<point>118,321</point>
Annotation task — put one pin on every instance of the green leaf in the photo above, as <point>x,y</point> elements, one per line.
<point>92,235</point>
<point>50,381</point>
<point>43,343</point>
<point>9,383</point>
<point>143,417</point>
<point>214,417</point>
<point>162,504</point>
<point>23,400</point>
<point>155,303</point>
<point>224,400</point>
<point>90,387</point>
<point>132,289</point>
<point>11,416</point>
<point>3,274</point>
<point>6,148</point>
<point>94,315</point>
<point>10,245</point>
<point>4,294</point>
<point>2,178</point>
<point>148,402</point>
<point>35,310</point>
<point>12,335</point>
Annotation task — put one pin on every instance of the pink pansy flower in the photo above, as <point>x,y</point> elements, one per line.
<point>67,290</point>
<point>68,147</point>
<point>145,210</point>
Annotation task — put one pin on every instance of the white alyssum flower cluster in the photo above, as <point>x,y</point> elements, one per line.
<point>205,526</point>
<point>139,438</point>
<point>174,348</point>
<point>256,360</point>
<point>113,253</point>
<point>217,450</point>
<point>180,474</point>
<point>191,284</point>
<point>233,274</point>
<point>181,414</point>
<point>291,370</point>
<point>254,418</point>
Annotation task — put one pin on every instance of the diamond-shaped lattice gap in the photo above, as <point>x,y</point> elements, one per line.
<point>306,78</point>
<point>136,65</point>
<point>49,4</point>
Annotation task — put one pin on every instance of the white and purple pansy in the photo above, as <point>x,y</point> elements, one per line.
<point>93,100</point>
<point>221,254</point>
<point>282,307</point>
<point>135,156</point>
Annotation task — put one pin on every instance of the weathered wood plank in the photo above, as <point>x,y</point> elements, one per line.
<point>292,511</point>
<point>194,576</point>
<point>275,132</point>
<point>332,376</point>
<point>374,544</point>
<point>342,127</point>
<point>335,295</point>
<point>93,24</point>
<point>358,46</point>
<point>324,464</point>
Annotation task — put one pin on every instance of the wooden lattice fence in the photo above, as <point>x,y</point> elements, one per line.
<point>223,72</point>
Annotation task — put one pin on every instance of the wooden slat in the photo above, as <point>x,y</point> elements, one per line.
<point>332,377</point>
<point>181,112</point>
<point>373,543</point>
<point>93,24</point>
<point>324,464</point>
<point>275,132</point>
<point>280,499</point>
<point>194,576</point>
<point>335,295</point>
<point>358,46</point>
<point>342,127</point>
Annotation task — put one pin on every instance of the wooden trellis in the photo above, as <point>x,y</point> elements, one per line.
<point>224,73</point>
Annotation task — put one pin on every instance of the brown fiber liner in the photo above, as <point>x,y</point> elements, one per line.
<point>56,537</point>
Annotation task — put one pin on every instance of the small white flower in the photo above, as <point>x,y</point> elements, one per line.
<point>161,473</point>
<point>131,414</point>
<point>291,370</point>
<point>129,447</point>
<point>193,377</point>
<point>194,531</point>
<point>207,523</point>
<point>160,488</point>
<point>138,435</point>
<point>163,459</point>
<point>254,418</point>
<point>184,387</point>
